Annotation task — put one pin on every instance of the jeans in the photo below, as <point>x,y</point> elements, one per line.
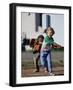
<point>45,57</point>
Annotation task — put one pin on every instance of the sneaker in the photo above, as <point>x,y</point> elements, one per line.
<point>36,71</point>
<point>45,70</point>
<point>51,74</point>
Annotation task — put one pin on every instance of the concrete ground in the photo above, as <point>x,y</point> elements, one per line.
<point>28,66</point>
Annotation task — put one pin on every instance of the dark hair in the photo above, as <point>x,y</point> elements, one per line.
<point>45,30</point>
<point>53,32</point>
<point>40,36</point>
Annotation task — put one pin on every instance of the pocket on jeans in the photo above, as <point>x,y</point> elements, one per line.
<point>45,52</point>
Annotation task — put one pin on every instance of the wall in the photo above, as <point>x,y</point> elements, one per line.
<point>30,25</point>
<point>57,22</point>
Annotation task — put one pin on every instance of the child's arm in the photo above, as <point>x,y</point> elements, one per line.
<point>55,45</point>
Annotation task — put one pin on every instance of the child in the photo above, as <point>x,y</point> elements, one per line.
<point>45,54</point>
<point>36,51</point>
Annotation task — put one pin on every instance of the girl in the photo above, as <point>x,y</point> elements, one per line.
<point>45,54</point>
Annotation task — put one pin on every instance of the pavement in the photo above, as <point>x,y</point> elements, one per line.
<point>30,72</point>
<point>28,67</point>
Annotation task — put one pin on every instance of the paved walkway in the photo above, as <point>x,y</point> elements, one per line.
<point>30,72</point>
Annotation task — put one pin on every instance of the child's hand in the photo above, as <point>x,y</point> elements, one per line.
<point>37,47</point>
<point>47,47</point>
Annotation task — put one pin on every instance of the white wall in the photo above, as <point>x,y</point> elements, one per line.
<point>29,26</point>
<point>57,22</point>
<point>4,45</point>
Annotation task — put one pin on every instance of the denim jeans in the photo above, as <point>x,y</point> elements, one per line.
<point>45,57</point>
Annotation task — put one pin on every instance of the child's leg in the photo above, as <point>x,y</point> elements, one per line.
<point>37,62</point>
<point>49,61</point>
<point>43,58</point>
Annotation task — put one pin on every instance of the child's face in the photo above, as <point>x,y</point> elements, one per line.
<point>40,40</point>
<point>49,33</point>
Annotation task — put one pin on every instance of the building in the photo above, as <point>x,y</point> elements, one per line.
<point>33,24</point>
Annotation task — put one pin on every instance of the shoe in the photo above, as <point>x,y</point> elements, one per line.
<point>45,70</point>
<point>36,71</point>
<point>51,74</point>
